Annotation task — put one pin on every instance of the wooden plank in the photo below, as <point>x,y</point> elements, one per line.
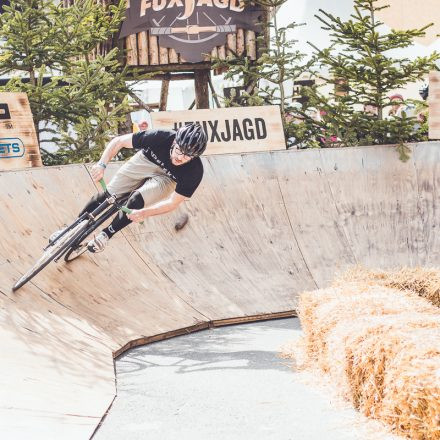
<point>231,45</point>
<point>163,55</point>
<point>131,42</point>
<point>172,56</point>
<point>251,47</point>
<point>153,49</point>
<point>240,42</point>
<point>214,54</point>
<point>142,45</point>
<point>253,318</point>
<point>164,94</point>
<point>262,131</point>
<point>221,52</point>
<point>18,140</point>
<point>434,105</point>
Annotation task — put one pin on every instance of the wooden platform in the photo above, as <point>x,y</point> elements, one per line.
<point>263,227</point>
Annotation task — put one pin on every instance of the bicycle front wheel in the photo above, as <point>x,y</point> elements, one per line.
<point>52,252</point>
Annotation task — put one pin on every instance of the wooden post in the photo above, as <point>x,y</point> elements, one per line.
<point>143,48</point>
<point>201,79</point>
<point>164,95</point>
<point>434,105</point>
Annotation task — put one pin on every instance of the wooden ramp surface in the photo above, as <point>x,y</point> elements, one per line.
<point>262,227</point>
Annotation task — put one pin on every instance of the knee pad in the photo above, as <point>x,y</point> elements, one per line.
<point>136,201</point>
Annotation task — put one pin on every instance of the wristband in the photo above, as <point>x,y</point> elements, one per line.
<point>102,164</point>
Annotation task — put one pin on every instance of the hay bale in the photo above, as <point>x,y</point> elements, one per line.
<point>381,346</point>
<point>423,281</point>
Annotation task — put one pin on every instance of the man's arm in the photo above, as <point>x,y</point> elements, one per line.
<point>111,150</point>
<point>167,205</point>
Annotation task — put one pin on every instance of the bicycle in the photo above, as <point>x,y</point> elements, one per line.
<point>71,243</point>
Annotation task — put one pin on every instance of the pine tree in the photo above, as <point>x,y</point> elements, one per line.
<point>77,100</point>
<point>277,64</point>
<point>360,64</point>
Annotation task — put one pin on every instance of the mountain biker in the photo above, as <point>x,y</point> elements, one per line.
<point>164,172</point>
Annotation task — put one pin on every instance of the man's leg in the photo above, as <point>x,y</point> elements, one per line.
<point>129,177</point>
<point>155,188</point>
<point>93,203</point>
<point>121,220</point>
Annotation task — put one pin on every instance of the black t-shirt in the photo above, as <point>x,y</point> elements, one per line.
<point>156,145</point>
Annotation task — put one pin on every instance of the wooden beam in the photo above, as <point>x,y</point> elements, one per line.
<point>240,42</point>
<point>171,76</point>
<point>251,46</point>
<point>164,95</point>
<point>132,59</point>
<point>163,55</point>
<point>172,56</point>
<point>201,81</point>
<point>231,44</point>
<point>142,40</point>
<point>153,50</point>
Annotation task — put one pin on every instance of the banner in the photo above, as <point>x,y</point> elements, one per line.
<point>231,130</point>
<point>18,140</point>
<point>191,27</point>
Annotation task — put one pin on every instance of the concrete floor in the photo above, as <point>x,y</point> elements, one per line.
<point>226,383</point>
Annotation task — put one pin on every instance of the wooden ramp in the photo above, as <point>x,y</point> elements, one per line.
<point>263,227</point>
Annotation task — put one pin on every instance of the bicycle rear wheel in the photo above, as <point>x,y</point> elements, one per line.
<point>52,252</point>
<point>75,251</point>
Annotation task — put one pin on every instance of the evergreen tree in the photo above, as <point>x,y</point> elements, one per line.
<point>277,64</point>
<point>77,100</point>
<point>363,72</point>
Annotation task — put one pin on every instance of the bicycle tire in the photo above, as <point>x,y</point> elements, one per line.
<point>75,252</point>
<point>78,248</point>
<point>52,252</point>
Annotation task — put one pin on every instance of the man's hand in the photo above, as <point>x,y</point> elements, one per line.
<point>97,172</point>
<point>137,215</point>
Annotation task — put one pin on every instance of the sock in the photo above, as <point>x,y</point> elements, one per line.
<point>121,220</point>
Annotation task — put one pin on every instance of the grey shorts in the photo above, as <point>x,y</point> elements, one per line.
<point>144,176</point>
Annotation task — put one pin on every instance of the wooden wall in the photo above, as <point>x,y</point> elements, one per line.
<point>143,49</point>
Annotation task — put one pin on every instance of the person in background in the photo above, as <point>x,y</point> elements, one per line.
<point>399,107</point>
<point>370,109</point>
<point>142,125</point>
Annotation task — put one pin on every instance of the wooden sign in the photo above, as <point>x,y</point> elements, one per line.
<point>434,105</point>
<point>190,28</point>
<point>231,130</point>
<point>18,140</point>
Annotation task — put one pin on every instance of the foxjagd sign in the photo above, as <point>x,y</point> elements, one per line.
<point>231,130</point>
<point>191,27</point>
<point>18,140</point>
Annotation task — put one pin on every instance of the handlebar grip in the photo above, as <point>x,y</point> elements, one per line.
<point>126,210</point>
<point>103,185</point>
